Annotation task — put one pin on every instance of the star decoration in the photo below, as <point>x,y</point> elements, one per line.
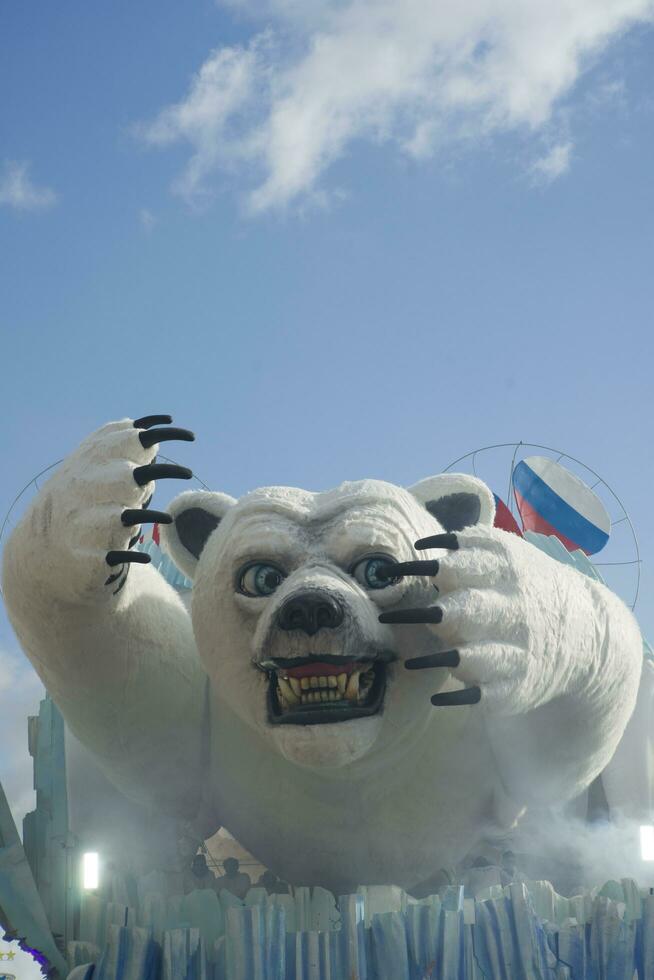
<point>20,957</point>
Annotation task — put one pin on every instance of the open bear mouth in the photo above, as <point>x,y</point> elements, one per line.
<point>325,689</point>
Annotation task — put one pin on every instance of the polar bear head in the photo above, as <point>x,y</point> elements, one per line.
<point>286,600</point>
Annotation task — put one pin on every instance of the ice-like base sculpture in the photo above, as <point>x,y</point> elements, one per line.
<point>522,931</point>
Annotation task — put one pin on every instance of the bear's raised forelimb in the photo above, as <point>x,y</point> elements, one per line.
<point>554,658</point>
<point>114,650</point>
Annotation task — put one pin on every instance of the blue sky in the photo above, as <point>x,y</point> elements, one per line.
<point>336,240</point>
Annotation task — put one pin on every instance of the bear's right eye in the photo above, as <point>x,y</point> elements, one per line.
<point>260,579</point>
<point>365,572</point>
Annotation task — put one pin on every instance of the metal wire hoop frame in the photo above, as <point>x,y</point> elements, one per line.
<point>474,453</point>
<point>516,446</point>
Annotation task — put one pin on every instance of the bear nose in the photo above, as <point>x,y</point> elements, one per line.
<point>310,612</point>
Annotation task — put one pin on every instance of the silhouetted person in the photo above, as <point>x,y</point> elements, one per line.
<point>234,881</point>
<point>267,881</point>
<point>200,875</point>
<point>509,865</point>
<point>272,884</point>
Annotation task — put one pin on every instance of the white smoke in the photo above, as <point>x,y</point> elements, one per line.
<point>577,855</point>
<point>20,693</point>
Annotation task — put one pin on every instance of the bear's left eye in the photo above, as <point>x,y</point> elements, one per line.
<point>366,572</point>
<point>260,579</point>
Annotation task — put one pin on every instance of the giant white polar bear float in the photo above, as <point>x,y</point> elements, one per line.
<point>280,705</point>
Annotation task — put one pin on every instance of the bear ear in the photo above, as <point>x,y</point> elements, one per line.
<point>196,515</point>
<point>456,500</point>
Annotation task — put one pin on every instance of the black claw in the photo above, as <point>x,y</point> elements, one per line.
<point>430,614</point>
<point>449,658</point>
<point>132,541</point>
<point>125,557</point>
<point>161,471</point>
<point>122,582</point>
<point>131,518</point>
<point>449,541</point>
<point>469,695</point>
<point>154,436</point>
<point>407,568</point>
<point>149,420</point>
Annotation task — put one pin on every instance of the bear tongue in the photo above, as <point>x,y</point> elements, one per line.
<point>319,669</point>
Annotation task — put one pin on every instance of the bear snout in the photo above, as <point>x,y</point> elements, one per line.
<point>310,611</point>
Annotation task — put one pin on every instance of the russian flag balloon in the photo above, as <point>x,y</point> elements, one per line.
<point>552,500</point>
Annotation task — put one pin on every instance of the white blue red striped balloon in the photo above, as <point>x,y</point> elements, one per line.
<point>552,500</point>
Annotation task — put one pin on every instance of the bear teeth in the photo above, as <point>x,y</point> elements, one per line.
<point>323,690</point>
<point>286,692</point>
<point>295,684</point>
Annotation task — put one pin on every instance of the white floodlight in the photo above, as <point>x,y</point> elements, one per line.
<point>91,870</point>
<point>647,842</point>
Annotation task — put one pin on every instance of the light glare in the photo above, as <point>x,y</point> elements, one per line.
<point>91,874</point>
<point>647,842</point>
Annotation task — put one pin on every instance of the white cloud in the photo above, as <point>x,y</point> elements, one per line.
<point>416,74</point>
<point>554,164</point>
<point>208,118</point>
<point>18,191</point>
<point>20,693</point>
<point>147,220</point>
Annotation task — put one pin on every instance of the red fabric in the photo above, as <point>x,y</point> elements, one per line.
<point>504,519</point>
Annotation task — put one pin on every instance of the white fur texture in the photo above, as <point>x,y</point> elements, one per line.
<point>389,798</point>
